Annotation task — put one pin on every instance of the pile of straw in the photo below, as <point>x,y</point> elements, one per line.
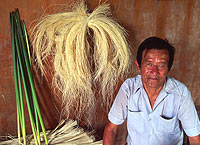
<point>66,133</point>
<point>89,52</point>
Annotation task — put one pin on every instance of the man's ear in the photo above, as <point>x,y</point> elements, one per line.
<point>137,66</point>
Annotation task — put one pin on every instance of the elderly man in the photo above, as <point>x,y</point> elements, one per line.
<point>157,107</point>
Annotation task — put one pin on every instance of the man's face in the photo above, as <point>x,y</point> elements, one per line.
<point>154,68</point>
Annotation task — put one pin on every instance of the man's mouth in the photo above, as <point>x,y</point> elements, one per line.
<point>153,78</point>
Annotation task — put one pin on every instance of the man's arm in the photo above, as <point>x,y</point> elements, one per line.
<point>110,132</point>
<point>195,140</point>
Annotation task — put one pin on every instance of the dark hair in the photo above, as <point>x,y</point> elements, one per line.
<point>156,43</point>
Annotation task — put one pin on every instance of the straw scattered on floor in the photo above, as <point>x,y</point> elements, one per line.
<point>66,133</point>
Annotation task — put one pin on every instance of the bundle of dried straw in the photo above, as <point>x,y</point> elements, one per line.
<point>66,133</point>
<point>89,51</point>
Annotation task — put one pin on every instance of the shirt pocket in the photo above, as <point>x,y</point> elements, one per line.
<point>168,125</point>
<point>135,121</point>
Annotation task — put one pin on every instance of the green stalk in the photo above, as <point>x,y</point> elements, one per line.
<point>27,44</point>
<point>15,74</point>
<point>32,87</point>
<point>25,91</point>
<point>21,107</point>
<point>23,70</point>
<point>28,50</point>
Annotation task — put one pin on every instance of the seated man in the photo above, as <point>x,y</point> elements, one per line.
<point>157,107</point>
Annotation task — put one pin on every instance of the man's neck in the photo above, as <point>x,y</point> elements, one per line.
<point>152,94</point>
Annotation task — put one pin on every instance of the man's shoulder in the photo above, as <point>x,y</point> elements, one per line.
<point>174,82</point>
<point>132,84</point>
<point>175,85</point>
<point>133,81</point>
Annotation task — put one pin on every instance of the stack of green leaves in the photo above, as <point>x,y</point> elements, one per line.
<point>24,84</point>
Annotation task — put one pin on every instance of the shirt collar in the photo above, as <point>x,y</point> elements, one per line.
<point>169,85</point>
<point>138,84</point>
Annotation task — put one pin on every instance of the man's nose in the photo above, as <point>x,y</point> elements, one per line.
<point>155,69</point>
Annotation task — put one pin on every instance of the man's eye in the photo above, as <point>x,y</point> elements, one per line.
<point>148,64</point>
<point>162,66</point>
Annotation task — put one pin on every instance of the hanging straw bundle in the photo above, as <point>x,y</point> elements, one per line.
<point>89,52</point>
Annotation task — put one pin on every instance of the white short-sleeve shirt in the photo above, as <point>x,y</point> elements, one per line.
<point>173,112</point>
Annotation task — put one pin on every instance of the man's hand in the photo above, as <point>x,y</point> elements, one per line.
<point>195,140</point>
<point>110,132</point>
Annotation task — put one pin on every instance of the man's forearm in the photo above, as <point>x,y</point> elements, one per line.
<point>109,138</point>
<point>110,132</point>
<point>194,140</point>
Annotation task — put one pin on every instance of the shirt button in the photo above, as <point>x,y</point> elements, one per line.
<point>150,134</point>
<point>150,118</point>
